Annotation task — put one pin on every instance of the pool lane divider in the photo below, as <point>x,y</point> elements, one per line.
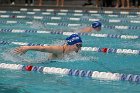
<point>83,11</point>
<point>73,72</point>
<point>123,27</point>
<point>69,18</point>
<point>37,15</point>
<point>74,11</point>
<point>69,33</point>
<point>90,49</point>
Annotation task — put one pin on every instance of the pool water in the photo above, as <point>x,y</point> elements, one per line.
<point>12,81</point>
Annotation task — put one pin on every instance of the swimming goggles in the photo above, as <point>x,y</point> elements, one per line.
<point>78,45</point>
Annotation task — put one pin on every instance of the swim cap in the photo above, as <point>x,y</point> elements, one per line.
<point>96,24</point>
<point>73,39</point>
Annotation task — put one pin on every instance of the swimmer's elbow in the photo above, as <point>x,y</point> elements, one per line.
<point>48,49</point>
<point>44,49</point>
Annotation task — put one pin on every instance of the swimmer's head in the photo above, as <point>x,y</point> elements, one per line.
<point>73,39</point>
<point>76,41</point>
<point>97,25</point>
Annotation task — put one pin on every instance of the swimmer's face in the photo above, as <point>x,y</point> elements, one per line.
<point>97,29</point>
<point>78,47</point>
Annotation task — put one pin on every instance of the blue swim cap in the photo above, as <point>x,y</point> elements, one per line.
<point>96,24</point>
<point>73,39</point>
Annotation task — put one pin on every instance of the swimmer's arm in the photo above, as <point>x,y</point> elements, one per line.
<point>87,29</point>
<point>49,49</point>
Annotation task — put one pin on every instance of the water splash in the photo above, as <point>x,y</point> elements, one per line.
<point>72,57</point>
<point>38,25</point>
<point>78,29</point>
<point>32,57</point>
<point>41,57</point>
<point>58,42</point>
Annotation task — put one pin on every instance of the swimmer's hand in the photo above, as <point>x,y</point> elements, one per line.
<point>21,50</point>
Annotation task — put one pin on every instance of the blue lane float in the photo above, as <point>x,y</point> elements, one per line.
<point>73,72</point>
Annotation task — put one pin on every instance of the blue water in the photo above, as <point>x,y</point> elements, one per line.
<point>12,81</point>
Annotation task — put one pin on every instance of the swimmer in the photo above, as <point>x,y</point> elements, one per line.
<point>96,26</point>
<point>73,43</point>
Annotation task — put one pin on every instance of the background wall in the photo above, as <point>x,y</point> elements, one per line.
<point>48,2</point>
